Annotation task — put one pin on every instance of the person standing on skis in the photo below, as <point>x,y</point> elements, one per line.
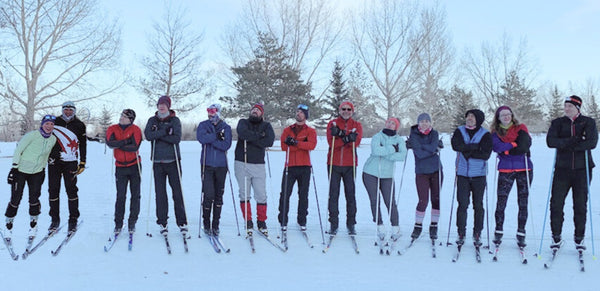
<point>297,140</point>
<point>215,136</point>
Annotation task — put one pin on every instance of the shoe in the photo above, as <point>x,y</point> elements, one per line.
<point>183,229</point>
<point>54,225</point>
<point>521,239</point>
<point>381,232</point>
<point>284,228</point>
<point>131,228</point>
<point>262,227</point>
<point>72,225</point>
<point>164,230</point>
<point>477,240</point>
<point>351,229</point>
<point>249,224</point>
<point>332,230</point>
<point>416,231</point>
<point>433,229</point>
<point>461,240</point>
<point>498,237</point>
<point>395,233</point>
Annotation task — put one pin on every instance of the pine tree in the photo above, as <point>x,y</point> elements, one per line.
<point>521,100</point>
<point>105,121</point>
<point>269,79</point>
<point>593,109</point>
<point>338,93</point>
<point>557,108</point>
<point>456,102</point>
<point>360,88</point>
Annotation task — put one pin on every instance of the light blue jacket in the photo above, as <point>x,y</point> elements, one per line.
<point>383,155</point>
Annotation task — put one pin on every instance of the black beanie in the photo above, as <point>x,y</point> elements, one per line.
<point>479,116</point>
<point>129,113</point>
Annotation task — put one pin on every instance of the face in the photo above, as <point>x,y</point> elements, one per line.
<point>124,120</point>
<point>390,125</point>
<point>470,120</point>
<point>570,110</point>
<point>346,111</point>
<point>48,127</point>
<point>68,112</point>
<point>255,112</point>
<point>424,124</point>
<point>505,117</point>
<point>211,112</point>
<point>162,108</point>
<point>300,115</point>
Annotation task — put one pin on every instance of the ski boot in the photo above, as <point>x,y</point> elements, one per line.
<point>164,230</point>
<point>417,231</point>
<point>381,232</point>
<point>351,229</point>
<point>498,237</point>
<point>460,240</point>
<point>556,242</point>
<point>579,244</point>
<point>262,227</point>
<point>477,240</point>
<point>433,229</point>
<point>54,225</point>
<point>521,239</point>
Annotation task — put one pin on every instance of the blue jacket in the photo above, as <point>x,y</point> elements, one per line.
<point>473,148</point>
<point>384,156</point>
<point>425,149</point>
<point>214,150</point>
<point>512,155</point>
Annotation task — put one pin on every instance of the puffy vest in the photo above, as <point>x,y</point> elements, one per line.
<point>471,167</point>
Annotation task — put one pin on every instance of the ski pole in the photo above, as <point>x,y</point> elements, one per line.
<point>150,189</point>
<point>284,192</point>
<point>527,176</point>
<point>587,177</point>
<point>178,164</point>
<point>539,254</point>
<point>237,223</point>
<point>268,163</point>
<point>246,202</point>
<point>331,165</point>
<point>202,190</point>
<point>448,243</point>
<point>317,199</point>
<point>377,203</point>
<point>487,216</point>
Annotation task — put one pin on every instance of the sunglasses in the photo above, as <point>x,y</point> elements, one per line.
<point>49,117</point>
<point>212,110</point>
<point>346,109</point>
<point>303,107</point>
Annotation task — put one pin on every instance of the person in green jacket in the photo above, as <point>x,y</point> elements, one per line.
<point>387,147</point>
<point>29,161</point>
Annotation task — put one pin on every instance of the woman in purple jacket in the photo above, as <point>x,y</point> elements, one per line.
<point>511,143</point>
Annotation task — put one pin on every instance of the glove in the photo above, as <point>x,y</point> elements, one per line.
<point>154,127</point>
<point>351,137</point>
<point>409,144</point>
<point>440,144</point>
<point>80,168</point>
<point>396,147</point>
<point>290,141</point>
<point>221,135</point>
<point>51,161</point>
<point>12,176</point>
<point>471,147</point>
<point>169,130</point>
<point>336,131</point>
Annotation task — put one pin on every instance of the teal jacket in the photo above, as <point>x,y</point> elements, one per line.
<point>383,155</point>
<point>31,154</point>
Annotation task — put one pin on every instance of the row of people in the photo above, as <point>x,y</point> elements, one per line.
<point>573,135</point>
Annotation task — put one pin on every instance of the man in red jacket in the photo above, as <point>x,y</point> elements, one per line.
<point>297,140</point>
<point>125,138</point>
<point>343,135</point>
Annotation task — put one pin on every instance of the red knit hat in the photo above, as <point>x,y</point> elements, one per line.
<point>260,107</point>
<point>347,103</point>
<point>396,121</point>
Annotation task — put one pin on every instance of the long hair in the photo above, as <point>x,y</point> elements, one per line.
<point>496,123</point>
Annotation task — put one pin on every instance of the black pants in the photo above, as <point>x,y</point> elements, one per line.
<point>302,175</point>
<point>342,173</point>
<point>67,171</point>
<point>565,179</point>
<point>34,183</point>
<point>465,187</point>
<point>505,182</point>
<point>161,172</point>
<point>123,176</point>
<point>213,187</point>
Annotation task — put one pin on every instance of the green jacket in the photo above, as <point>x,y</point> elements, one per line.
<point>31,154</point>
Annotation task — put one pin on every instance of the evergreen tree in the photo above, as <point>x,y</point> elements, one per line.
<point>593,109</point>
<point>557,107</point>
<point>269,79</point>
<point>105,121</point>
<point>332,101</point>
<point>456,103</point>
<point>360,88</point>
<point>521,100</point>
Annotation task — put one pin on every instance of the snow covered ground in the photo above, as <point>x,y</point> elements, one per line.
<point>83,265</point>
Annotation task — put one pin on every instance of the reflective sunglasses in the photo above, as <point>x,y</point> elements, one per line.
<point>49,118</point>
<point>303,107</point>
<point>346,109</point>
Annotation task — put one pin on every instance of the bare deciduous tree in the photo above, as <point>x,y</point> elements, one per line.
<point>387,38</point>
<point>51,49</point>
<point>173,64</point>
<point>308,29</point>
<point>492,66</point>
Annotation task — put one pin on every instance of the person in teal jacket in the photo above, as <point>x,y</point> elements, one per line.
<point>387,147</point>
<point>29,161</point>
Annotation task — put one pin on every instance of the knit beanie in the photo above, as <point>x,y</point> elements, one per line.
<point>396,121</point>
<point>423,116</point>
<point>304,109</point>
<point>164,100</point>
<point>575,100</point>
<point>129,113</point>
<point>348,103</point>
<point>260,107</point>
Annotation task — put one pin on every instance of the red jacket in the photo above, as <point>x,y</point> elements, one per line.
<point>342,153</point>
<point>307,141</point>
<point>125,144</point>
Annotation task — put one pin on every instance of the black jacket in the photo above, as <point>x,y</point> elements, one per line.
<point>258,136</point>
<point>572,139</point>
<point>78,128</point>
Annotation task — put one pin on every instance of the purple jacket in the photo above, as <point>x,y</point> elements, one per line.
<point>512,158</point>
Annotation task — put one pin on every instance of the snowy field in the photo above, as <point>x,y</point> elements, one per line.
<point>83,265</point>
